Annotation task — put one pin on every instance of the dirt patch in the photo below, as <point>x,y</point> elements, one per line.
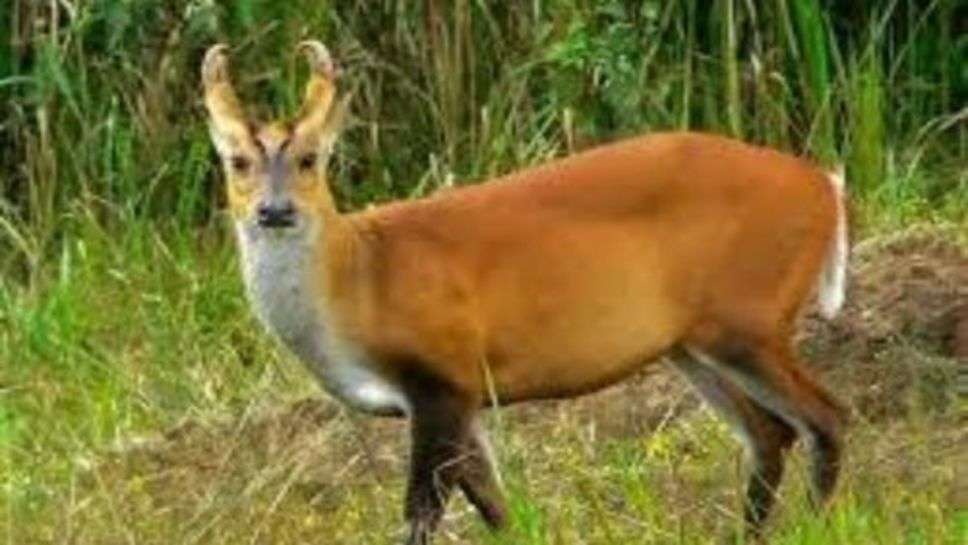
<point>315,438</point>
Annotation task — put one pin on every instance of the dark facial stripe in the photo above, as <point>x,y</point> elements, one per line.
<point>278,170</point>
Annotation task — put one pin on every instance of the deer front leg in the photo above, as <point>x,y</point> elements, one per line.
<point>440,431</point>
<point>479,479</point>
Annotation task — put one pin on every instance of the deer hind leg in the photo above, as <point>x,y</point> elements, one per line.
<point>770,374</point>
<point>765,436</point>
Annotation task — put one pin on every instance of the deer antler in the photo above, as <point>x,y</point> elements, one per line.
<point>224,107</point>
<point>318,115</point>
<point>319,58</point>
<point>321,88</point>
<point>215,66</point>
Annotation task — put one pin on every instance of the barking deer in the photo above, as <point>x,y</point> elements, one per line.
<point>550,282</point>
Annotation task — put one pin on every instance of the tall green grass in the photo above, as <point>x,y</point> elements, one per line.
<point>102,125</point>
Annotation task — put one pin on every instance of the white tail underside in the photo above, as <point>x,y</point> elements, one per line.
<point>833,277</point>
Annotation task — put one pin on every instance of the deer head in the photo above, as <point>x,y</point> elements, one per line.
<point>275,171</point>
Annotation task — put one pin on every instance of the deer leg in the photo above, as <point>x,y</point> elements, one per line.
<point>772,376</point>
<point>479,479</point>
<point>765,436</point>
<point>448,449</point>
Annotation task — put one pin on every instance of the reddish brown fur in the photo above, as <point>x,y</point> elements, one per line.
<point>569,276</point>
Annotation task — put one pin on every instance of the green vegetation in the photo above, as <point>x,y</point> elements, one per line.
<point>138,398</point>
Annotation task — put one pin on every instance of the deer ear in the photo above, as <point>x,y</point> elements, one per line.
<point>321,117</point>
<point>227,123</point>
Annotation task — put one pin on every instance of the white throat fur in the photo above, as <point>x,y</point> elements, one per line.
<point>277,269</point>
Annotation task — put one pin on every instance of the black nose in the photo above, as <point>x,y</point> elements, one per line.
<point>277,214</point>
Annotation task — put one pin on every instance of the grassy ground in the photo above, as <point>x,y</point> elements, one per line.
<point>145,406</point>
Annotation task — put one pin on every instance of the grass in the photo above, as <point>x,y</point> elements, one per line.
<point>242,456</point>
<point>140,403</point>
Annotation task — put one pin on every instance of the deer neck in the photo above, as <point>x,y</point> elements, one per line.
<point>282,279</point>
<point>290,282</point>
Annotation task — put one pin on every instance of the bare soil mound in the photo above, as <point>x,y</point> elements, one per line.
<point>911,287</point>
<point>896,345</point>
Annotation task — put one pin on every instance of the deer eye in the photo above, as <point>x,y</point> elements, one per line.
<point>307,162</point>
<point>239,164</point>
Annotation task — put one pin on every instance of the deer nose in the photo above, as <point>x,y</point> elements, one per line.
<point>276,214</point>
